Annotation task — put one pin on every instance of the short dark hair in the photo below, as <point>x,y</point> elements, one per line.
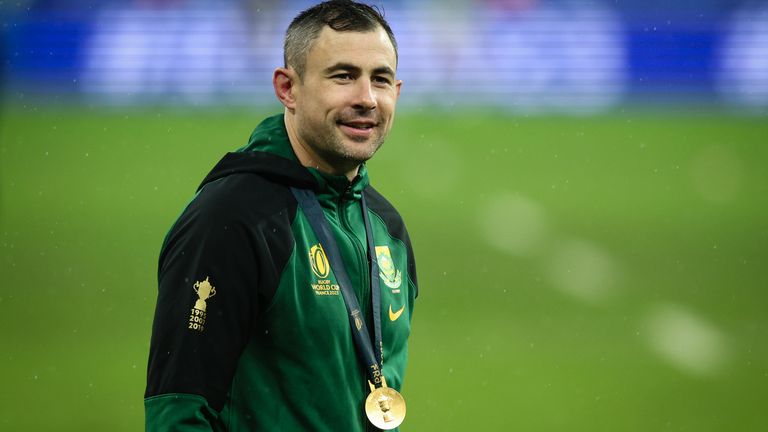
<point>340,15</point>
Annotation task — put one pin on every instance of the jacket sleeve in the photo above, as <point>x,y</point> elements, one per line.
<point>206,307</point>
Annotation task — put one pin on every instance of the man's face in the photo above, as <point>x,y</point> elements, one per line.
<point>345,102</point>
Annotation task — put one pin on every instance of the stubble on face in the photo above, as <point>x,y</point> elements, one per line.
<point>332,145</point>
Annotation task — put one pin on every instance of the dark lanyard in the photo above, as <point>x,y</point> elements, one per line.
<point>365,351</point>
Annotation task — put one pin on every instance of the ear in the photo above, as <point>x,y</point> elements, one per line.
<point>398,85</point>
<point>284,80</point>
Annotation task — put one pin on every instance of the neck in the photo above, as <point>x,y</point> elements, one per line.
<point>308,157</point>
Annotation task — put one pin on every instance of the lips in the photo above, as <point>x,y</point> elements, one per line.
<point>362,124</point>
<point>358,128</point>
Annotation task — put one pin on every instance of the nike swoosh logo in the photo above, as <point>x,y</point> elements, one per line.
<point>393,316</point>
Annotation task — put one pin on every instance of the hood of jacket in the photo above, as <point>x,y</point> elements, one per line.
<point>270,155</point>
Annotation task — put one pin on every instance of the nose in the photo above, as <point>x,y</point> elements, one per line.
<point>365,97</point>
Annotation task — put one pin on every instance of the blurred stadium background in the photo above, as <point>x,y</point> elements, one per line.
<point>585,183</point>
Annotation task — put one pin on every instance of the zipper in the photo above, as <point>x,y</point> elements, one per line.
<point>362,257</point>
<point>365,299</point>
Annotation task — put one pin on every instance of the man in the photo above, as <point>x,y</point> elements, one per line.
<point>275,313</point>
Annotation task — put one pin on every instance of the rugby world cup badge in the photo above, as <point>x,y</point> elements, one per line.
<point>318,261</point>
<point>387,271</point>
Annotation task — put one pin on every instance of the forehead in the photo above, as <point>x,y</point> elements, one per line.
<point>371,49</point>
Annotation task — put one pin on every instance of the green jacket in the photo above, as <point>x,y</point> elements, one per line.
<point>250,330</point>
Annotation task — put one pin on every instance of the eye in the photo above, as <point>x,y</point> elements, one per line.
<point>342,76</point>
<point>383,80</point>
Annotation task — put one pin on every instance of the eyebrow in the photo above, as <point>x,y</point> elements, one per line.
<point>385,70</point>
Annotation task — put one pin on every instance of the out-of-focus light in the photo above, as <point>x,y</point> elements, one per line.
<point>582,269</point>
<point>513,224</point>
<point>743,74</point>
<point>686,340</point>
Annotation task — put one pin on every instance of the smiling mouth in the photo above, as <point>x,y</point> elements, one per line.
<point>358,130</point>
<point>359,125</point>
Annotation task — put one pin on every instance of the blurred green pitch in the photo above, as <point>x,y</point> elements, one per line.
<point>666,214</point>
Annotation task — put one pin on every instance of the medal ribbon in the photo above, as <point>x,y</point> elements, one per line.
<point>371,358</point>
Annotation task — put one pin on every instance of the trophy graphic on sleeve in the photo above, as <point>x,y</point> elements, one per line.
<point>204,291</point>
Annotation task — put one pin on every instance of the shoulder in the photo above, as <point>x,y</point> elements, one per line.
<point>234,211</point>
<point>395,226</point>
<point>386,211</point>
<point>242,196</point>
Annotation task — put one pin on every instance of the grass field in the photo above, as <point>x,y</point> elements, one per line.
<point>576,274</point>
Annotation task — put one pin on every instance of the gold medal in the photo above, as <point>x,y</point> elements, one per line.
<point>385,407</point>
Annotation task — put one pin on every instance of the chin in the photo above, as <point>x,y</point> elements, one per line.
<point>362,151</point>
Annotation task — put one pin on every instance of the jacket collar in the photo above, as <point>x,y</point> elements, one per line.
<point>269,153</point>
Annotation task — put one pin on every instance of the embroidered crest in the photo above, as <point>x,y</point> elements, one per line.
<point>387,271</point>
